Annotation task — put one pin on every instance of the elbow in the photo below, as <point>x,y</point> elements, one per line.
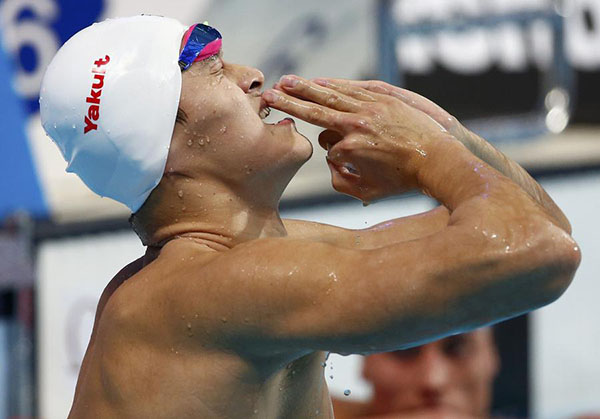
<point>562,257</point>
<point>569,261</point>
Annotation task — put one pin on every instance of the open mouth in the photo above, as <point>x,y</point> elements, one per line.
<point>264,111</point>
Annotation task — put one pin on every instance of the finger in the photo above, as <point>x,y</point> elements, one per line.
<point>352,90</point>
<point>372,86</point>
<point>313,113</point>
<point>412,99</point>
<point>299,87</point>
<point>328,138</point>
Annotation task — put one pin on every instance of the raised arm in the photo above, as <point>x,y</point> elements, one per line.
<point>474,143</point>
<point>379,235</point>
<point>499,255</point>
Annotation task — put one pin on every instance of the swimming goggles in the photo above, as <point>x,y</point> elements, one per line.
<point>200,42</point>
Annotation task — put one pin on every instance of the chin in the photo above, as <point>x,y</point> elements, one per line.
<point>305,148</point>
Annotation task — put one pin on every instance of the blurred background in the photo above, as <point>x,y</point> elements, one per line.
<point>525,74</point>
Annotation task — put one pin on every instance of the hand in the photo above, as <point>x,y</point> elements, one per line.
<point>437,113</point>
<point>376,143</point>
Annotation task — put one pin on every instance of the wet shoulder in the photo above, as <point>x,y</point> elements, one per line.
<point>156,291</point>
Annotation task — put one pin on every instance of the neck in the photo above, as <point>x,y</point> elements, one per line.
<point>212,214</point>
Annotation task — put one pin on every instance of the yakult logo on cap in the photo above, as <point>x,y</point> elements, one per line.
<point>94,98</point>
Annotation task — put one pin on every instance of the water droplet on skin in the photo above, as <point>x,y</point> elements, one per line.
<point>180,194</point>
<point>207,140</point>
<point>223,129</point>
<point>189,143</point>
<point>183,209</point>
<point>224,319</point>
<point>196,315</point>
<point>183,317</point>
<point>347,392</point>
<point>189,325</point>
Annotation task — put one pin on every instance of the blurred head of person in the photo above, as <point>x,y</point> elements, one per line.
<point>452,376</point>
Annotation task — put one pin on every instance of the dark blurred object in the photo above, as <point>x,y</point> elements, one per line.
<point>511,387</point>
<point>16,311</point>
<point>16,270</point>
<point>503,68</point>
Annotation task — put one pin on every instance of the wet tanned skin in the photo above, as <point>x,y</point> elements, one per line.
<point>231,309</point>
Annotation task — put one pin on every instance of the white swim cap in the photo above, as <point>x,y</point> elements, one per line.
<point>109,100</point>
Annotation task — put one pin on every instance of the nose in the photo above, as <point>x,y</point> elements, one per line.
<point>434,371</point>
<point>249,79</point>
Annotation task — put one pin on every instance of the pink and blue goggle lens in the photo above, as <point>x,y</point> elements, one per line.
<point>200,42</point>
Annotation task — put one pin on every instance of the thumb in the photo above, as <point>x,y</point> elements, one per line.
<point>328,138</point>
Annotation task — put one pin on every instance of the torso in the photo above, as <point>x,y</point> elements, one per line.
<point>150,355</point>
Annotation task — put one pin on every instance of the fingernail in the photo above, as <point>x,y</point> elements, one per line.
<point>270,96</point>
<point>321,82</point>
<point>288,81</point>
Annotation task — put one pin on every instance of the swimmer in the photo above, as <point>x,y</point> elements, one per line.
<point>448,378</point>
<point>231,311</point>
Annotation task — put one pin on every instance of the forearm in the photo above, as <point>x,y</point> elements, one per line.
<point>509,168</point>
<point>455,176</point>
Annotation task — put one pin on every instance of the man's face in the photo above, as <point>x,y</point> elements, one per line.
<point>224,127</point>
<point>454,374</point>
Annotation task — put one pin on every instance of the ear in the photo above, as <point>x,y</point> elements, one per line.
<point>181,117</point>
